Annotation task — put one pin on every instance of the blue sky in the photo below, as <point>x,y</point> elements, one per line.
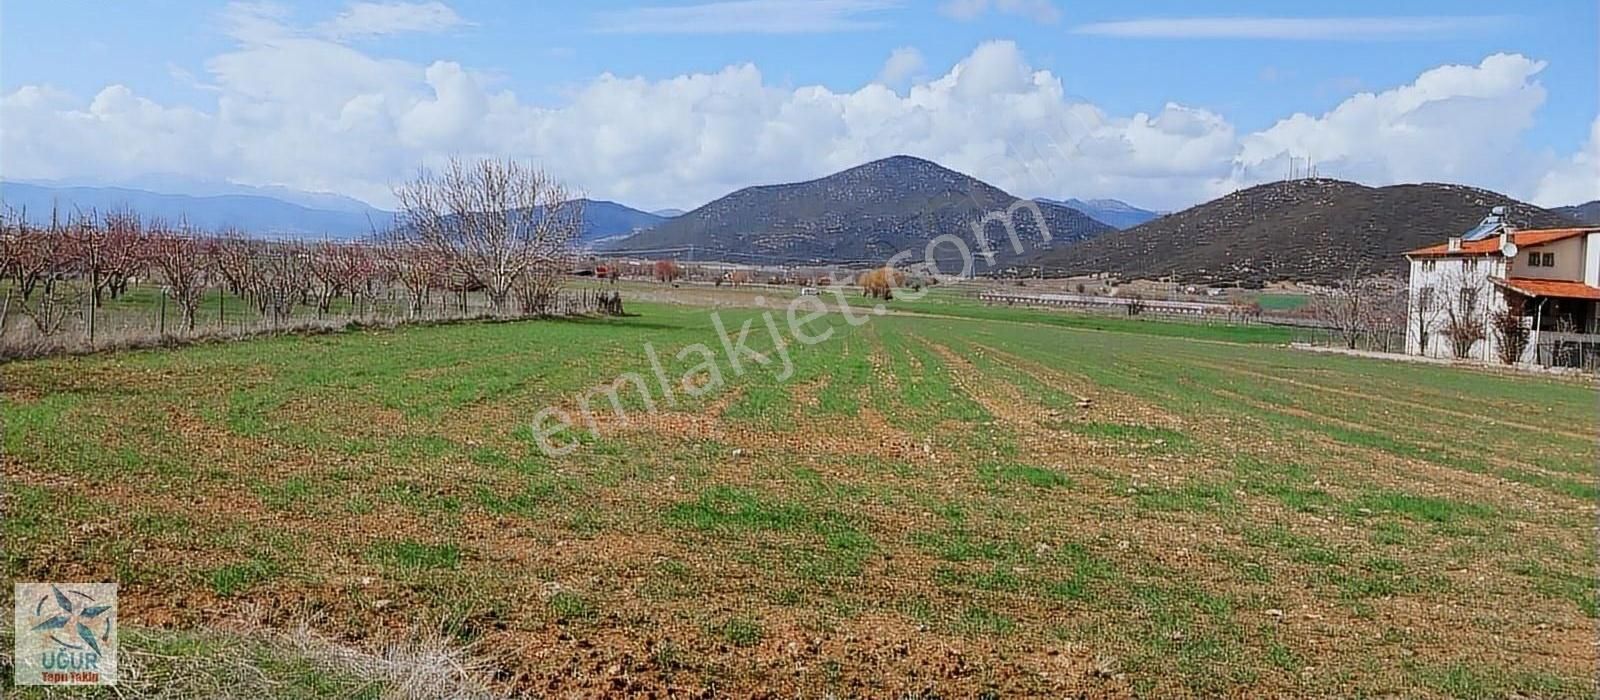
<point>193,81</point>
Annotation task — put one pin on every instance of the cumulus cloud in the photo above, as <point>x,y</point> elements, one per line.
<point>903,64</point>
<point>1037,10</point>
<point>299,110</point>
<point>1454,123</point>
<point>380,18</point>
<point>1576,180</point>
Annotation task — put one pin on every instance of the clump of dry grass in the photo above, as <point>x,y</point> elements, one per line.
<point>424,665</point>
<point>258,662</point>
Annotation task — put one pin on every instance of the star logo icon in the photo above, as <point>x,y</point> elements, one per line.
<point>73,619</point>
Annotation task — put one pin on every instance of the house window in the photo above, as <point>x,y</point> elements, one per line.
<point>1549,260</point>
<point>1427,265</point>
<point>1533,259</point>
<point>1471,264</point>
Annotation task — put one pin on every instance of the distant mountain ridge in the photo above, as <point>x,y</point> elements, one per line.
<point>340,218</point>
<point>1111,212</point>
<point>1306,230</point>
<point>864,214</point>
<point>192,187</point>
<point>256,214</point>
<point>604,220</point>
<point>1587,213</point>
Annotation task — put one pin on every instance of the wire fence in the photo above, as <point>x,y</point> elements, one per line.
<point>147,315</point>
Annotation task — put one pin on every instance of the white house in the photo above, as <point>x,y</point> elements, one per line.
<point>1465,291</point>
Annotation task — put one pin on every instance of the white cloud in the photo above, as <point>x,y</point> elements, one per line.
<point>750,17</point>
<point>1037,10</point>
<point>1576,180</point>
<point>300,111</point>
<point>1289,28</point>
<point>1454,123</point>
<point>379,18</point>
<point>904,63</point>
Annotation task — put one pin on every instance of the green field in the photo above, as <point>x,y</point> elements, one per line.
<point>952,501</point>
<point>1283,302</point>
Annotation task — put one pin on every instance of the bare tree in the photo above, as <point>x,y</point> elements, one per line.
<point>326,267</point>
<point>282,277</point>
<point>1423,308</point>
<point>107,250</point>
<point>123,252</point>
<point>178,255</point>
<point>233,259</point>
<point>880,283</point>
<point>501,224</point>
<point>1462,309</point>
<point>1352,306</point>
<point>1511,336</point>
<point>35,256</point>
<point>14,244</point>
<point>418,269</point>
<point>667,271</point>
<point>41,261</point>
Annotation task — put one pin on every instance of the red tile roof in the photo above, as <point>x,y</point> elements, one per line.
<point>1491,244</point>
<point>1550,288</point>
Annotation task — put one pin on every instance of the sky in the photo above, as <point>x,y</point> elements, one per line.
<point>672,103</point>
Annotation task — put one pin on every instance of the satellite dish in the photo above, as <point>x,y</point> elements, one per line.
<point>1508,249</point>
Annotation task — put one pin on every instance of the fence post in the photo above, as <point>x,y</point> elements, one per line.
<point>91,317</point>
<point>163,332</point>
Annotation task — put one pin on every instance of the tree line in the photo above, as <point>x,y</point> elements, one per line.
<point>496,227</point>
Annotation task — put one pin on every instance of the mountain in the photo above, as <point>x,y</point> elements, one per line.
<point>1586,214</point>
<point>1308,230</point>
<point>194,187</point>
<point>668,213</point>
<point>274,216</point>
<point>257,214</point>
<point>1111,212</point>
<point>865,214</point>
<point>603,220</point>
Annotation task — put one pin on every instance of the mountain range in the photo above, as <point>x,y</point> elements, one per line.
<point>258,214</point>
<point>1111,212</point>
<point>1308,229</point>
<point>864,215</point>
<point>309,215</point>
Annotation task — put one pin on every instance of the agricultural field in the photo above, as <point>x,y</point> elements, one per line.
<point>950,501</point>
<point>1283,302</point>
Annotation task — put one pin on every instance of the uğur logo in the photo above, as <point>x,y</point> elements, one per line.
<point>66,634</point>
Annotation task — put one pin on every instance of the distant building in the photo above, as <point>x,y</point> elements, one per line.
<point>1466,291</point>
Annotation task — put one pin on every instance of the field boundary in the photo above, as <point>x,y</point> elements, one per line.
<point>1570,373</point>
